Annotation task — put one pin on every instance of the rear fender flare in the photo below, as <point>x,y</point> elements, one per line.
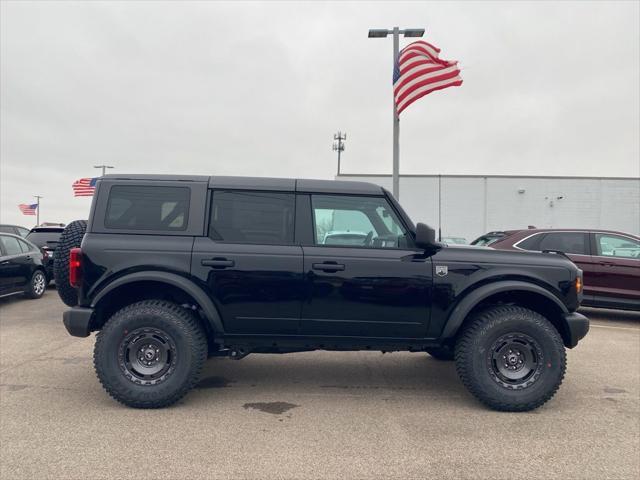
<point>460,312</point>
<point>209,309</point>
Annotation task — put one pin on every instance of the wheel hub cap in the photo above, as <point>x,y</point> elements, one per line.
<point>515,361</point>
<point>147,356</point>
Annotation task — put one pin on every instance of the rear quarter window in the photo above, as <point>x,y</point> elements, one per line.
<point>135,207</point>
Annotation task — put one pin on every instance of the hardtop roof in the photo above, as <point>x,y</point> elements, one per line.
<point>263,183</point>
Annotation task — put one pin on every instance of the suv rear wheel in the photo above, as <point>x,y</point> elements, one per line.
<point>511,358</point>
<point>150,354</point>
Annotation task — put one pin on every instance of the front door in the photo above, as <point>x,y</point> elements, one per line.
<point>249,263</point>
<point>365,279</point>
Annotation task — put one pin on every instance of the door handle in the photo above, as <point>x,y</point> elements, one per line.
<point>328,266</point>
<point>607,264</point>
<point>218,263</point>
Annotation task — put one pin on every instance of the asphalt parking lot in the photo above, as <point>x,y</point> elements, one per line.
<point>311,415</point>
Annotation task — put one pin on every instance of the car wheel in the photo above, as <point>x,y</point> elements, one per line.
<point>511,358</point>
<point>444,352</point>
<point>150,354</point>
<point>71,237</point>
<point>37,285</point>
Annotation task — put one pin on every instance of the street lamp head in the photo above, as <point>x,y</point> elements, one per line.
<point>378,33</point>
<point>413,32</point>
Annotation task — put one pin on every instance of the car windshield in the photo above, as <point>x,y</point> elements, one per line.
<point>486,240</point>
<point>45,238</point>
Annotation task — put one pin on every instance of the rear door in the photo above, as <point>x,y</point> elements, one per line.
<point>250,263</point>
<point>16,263</point>
<point>365,278</point>
<point>618,264</point>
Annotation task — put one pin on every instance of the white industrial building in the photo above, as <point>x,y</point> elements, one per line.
<point>470,205</point>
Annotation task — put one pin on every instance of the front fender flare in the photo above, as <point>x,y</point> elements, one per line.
<point>463,308</point>
<point>209,309</point>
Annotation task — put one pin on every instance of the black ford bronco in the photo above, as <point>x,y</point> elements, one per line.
<point>172,269</point>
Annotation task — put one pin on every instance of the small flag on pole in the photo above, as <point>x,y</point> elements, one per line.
<point>85,187</point>
<point>418,71</point>
<point>27,209</point>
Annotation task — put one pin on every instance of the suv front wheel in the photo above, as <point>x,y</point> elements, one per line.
<point>511,358</point>
<point>150,354</point>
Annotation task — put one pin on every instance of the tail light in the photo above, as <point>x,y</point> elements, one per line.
<point>75,267</point>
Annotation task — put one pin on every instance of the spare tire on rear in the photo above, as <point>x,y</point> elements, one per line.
<point>71,238</point>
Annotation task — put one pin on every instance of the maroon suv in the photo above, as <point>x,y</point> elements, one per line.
<point>610,260</point>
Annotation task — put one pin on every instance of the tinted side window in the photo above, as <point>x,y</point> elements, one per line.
<point>252,217</point>
<point>23,232</point>
<point>617,246</point>
<point>531,243</point>
<point>136,207</point>
<point>25,246</point>
<point>11,245</point>
<point>567,242</point>
<point>7,229</point>
<point>356,221</point>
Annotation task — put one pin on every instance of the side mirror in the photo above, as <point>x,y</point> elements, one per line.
<point>425,236</point>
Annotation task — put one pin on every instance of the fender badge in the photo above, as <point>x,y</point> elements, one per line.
<point>442,270</point>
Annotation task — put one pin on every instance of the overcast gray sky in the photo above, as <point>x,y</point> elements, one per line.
<point>259,88</point>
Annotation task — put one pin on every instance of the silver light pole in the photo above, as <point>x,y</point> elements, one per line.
<point>38,197</point>
<point>103,167</point>
<point>382,33</point>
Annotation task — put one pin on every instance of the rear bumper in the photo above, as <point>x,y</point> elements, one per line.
<point>578,326</point>
<point>77,321</point>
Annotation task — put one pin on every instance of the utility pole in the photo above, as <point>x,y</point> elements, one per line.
<point>38,197</point>
<point>338,145</point>
<point>103,167</point>
<point>382,33</point>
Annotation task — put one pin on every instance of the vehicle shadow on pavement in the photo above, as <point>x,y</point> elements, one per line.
<point>369,374</point>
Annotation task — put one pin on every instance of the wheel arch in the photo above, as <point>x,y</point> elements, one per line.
<point>525,294</point>
<point>148,285</point>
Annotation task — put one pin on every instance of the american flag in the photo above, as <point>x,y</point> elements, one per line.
<point>27,209</point>
<point>418,71</point>
<point>85,187</point>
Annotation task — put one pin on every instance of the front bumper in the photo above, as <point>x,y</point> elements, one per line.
<point>77,321</point>
<point>578,326</point>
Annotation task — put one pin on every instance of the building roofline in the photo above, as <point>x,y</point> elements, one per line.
<point>413,175</point>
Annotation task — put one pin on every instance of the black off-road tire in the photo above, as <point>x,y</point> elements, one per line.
<point>444,353</point>
<point>501,327</point>
<point>71,238</point>
<point>37,285</point>
<point>155,318</point>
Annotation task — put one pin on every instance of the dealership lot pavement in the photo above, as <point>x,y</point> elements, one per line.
<point>313,415</point>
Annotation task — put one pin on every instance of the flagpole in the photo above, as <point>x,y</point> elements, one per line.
<point>396,122</point>
<point>38,197</point>
<point>382,33</point>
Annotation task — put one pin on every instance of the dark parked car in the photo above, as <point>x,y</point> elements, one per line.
<point>174,268</point>
<point>21,267</point>
<point>610,261</point>
<point>47,239</point>
<point>14,230</point>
